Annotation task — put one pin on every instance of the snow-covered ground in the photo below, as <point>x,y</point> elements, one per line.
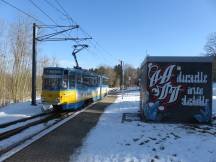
<point>25,134</point>
<point>114,140</point>
<point>111,140</point>
<point>17,111</point>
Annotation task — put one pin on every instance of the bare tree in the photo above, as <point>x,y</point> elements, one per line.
<point>130,75</point>
<point>210,49</point>
<point>3,66</point>
<point>107,71</point>
<point>54,62</point>
<point>20,47</point>
<point>210,46</point>
<point>15,62</point>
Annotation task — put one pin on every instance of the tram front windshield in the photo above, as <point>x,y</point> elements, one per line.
<point>54,83</point>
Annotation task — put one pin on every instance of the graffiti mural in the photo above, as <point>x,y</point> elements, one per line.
<point>178,91</point>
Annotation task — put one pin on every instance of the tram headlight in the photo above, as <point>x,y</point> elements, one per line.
<point>58,101</point>
<point>42,99</point>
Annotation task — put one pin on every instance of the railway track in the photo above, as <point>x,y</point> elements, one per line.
<point>16,127</point>
<point>16,131</point>
<point>22,120</point>
<point>57,118</point>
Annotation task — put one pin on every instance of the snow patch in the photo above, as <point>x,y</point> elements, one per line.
<point>18,111</point>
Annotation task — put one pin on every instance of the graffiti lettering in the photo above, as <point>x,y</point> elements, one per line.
<point>200,77</point>
<point>160,83</point>
<point>195,101</point>
<point>163,91</point>
<point>157,77</point>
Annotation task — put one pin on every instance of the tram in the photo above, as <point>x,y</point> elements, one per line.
<point>71,88</point>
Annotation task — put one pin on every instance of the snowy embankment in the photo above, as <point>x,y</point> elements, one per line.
<point>17,111</point>
<point>8,142</point>
<point>114,140</point>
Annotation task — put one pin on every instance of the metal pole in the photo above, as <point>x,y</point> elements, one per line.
<point>122,79</point>
<point>34,62</point>
<point>101,87</point>
<point>120,74</point>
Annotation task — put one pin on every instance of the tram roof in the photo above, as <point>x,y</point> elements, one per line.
<point>77,70</point>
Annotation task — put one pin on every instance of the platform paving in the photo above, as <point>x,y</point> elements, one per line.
<point>60,144</point>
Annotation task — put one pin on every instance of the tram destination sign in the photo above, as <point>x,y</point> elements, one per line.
<point>178,90</point>
<point>53,71</point>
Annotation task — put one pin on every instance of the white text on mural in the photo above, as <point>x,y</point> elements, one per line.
<point>194,95</point>
<point>160,83</point>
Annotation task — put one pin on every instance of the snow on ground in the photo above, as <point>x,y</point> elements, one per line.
<point>112,140</point>
<point>17,111</point>
<point>17,125</point>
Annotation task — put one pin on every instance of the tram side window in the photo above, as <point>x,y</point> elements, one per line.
<point>95,81</point>
<point>86,80</point>
<point>105,81</point>
<point>79,78</point>
<point>71,80</point>
<point>65,80</point>
<point>99,80</point>
<point>91,81</point>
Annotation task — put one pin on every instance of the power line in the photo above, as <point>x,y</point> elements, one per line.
<point>50,35</point>
<point>67,15</point>
<point>34,4</point>
<point>63,39</point>
<point>95,53</point>
<point>50,17</point>
<point>63,12</point>
<point>70,18</point>
<point>57,39</point>
<point>23,12</point>
<point>58,10</point>
<point>103,49</point>
<point>55,26</point>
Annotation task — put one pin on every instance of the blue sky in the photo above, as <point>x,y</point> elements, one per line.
<point>127,29</point>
